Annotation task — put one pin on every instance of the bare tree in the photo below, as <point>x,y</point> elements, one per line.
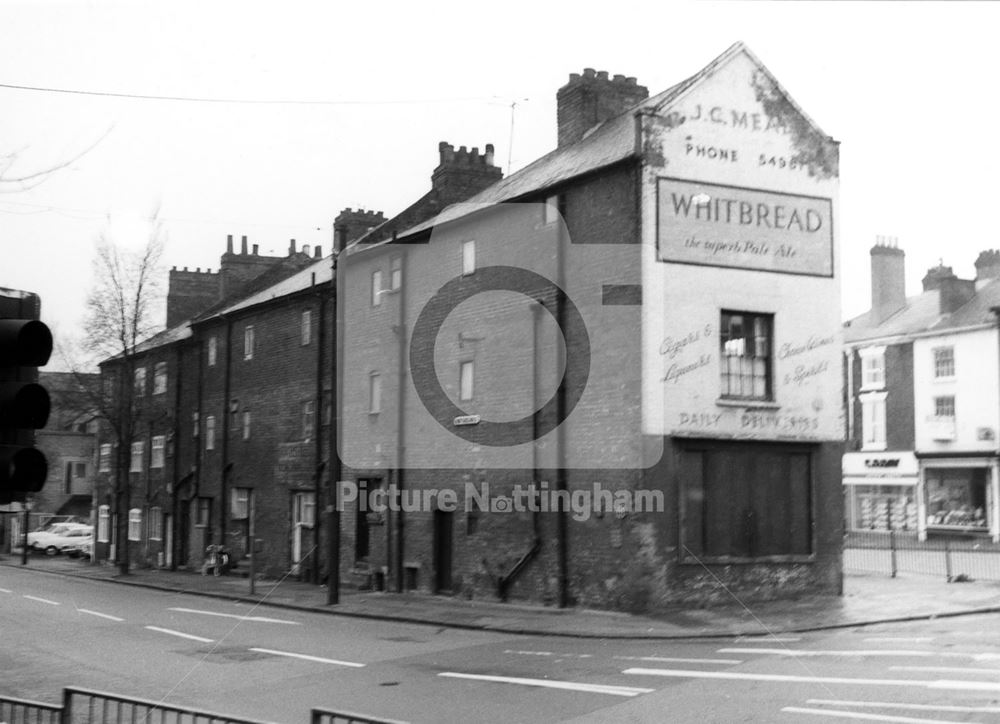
<point>12,181</point>
<point>127,286</point>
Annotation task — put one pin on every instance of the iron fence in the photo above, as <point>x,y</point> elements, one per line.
<point>84,706</point>
<point>950,557</point>
<point>25,711</point>
<point>323,716</point>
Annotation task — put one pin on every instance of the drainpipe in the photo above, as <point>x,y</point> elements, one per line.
<point>400,420</point>
<point>849,354</point>
<point>561,522</point>
<point>226,412</point>
<point>320,411</point>
<point>175,443</point>
<point>333,505</point>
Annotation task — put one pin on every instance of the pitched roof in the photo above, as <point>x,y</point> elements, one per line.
<point>922,315</point>
<point>318,272</point>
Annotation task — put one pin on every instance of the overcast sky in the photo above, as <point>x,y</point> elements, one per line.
<point>907,88</point>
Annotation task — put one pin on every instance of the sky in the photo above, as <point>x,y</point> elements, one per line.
<point>346,104</point>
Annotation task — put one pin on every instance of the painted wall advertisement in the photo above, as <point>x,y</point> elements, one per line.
<point>728,226</point>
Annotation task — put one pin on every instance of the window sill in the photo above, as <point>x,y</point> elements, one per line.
<point>748,403</point>
<point>874,447</point>
<point>872,388</point>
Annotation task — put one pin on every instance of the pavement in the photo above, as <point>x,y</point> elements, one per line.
<point>867,600</point>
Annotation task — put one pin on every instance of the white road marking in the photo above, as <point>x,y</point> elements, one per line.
<point>950,669</point>
<point>43,600</point>
<point>259,619</point>
<point>841,714</point>
<point>549,684</point>
<point>787,678</point>
<point>4,590</point>
<point>98,613</point>
<point>528,653</point>
<point>178,633</point>
<point>670,660</point>
<point>864,652</point>
<point>307,657</point>
<point>898,639</point>
<point>914,707</point>
<point>767,639</point>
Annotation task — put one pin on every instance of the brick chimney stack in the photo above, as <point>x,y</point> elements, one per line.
<point>351,225</point>
<point>954,292</point>
<point>592,98</point>
<point>463,173</point>
<point>888,278</point>
<point>988,265</point>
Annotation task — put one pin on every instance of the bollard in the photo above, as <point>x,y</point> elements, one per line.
<point>892,551</point>
<point>947,559</point>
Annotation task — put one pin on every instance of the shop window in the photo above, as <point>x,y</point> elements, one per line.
<point>944,362</point>
<point>376,287</point>
<point>468,257</point>
<point>957,498</point>
<point>745,342</point>
<point>103,524</point>
<point>160,378</point>
<point>240,504</point>
<point>374,393</point>
<point>213,350</point>
<point>157,451</point>
<point>155,523</point>
<point>104,459</point>
<point>135,524</point>
<point>306,327</point>
<point>872,368</point>
<point>882,507</point>
<point>745,501</point>
<point>466,380</point>
<point>135,463</point>
<point>248,342</point>
<point>873,432</point>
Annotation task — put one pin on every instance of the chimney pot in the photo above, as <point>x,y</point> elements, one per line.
<point>256,248</point>
<point>602,75</point>
<point>229,243</point>
<point>243,246</point>
<point>305,249</point>
<point>589,72</point>
<point>318,252</point>
<point>291,247</point>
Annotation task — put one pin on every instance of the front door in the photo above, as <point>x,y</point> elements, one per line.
<point>303,519</point>
<point>443,522</point>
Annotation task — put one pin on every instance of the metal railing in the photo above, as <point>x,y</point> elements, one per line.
<point>324,716</point>
<point>25,711</point>
<point>953,558</point>
<point>85,706</point>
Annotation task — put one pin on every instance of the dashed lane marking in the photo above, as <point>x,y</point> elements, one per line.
<point>912,707</point>
<point>258,619</point>
<point>98,613</point>
<point>550,684</point>
<point>767,639</point>
<point>788,678</point>
<point>842,714</point>
<point>670,660</point>
<point>307,657</point>
<point>43,600</point>
<point>946,669</point>
<point>899,639</point>
<point>5,590</point>
<point>917,653</point>
<point>180,634</point>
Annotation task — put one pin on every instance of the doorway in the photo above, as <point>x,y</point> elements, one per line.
<point>443,527</point>
<point>303,519</point>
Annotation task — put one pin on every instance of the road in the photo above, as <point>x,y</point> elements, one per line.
<point>274,664</point>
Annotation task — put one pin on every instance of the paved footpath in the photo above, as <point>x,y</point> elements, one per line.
<point>866,600</point>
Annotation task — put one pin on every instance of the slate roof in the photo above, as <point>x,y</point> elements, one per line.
<point>922,315</point>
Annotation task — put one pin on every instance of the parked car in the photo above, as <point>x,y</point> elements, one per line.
<point>61,538</point>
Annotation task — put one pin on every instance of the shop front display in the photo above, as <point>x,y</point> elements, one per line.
<point>958,498</point>
<point>880,491</point>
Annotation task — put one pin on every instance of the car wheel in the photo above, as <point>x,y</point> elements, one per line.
<point>51,551</point>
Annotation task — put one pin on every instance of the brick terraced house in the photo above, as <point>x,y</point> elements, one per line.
<point>612,378</point>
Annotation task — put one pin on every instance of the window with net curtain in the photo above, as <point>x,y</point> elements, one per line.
<point>746,354</point>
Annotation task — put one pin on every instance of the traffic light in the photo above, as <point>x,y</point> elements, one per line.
<point>25,345</point>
